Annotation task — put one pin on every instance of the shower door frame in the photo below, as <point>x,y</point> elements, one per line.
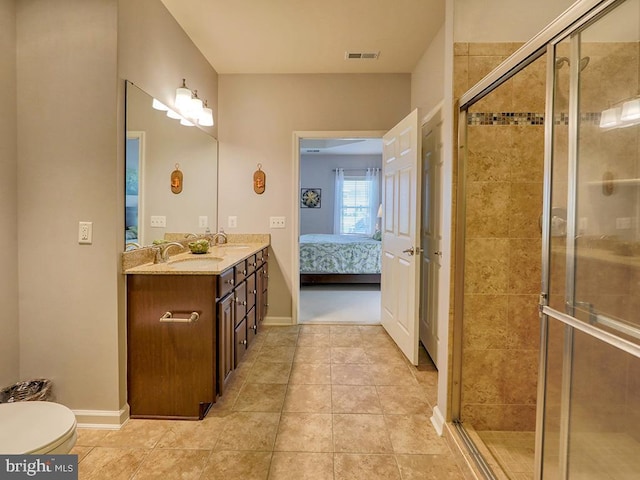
<point>568,25</point>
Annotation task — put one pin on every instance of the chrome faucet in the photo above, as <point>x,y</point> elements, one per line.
<point>218,238</point>
<point>189,235</point>
<point>161,251</point>
<point>131,244</point>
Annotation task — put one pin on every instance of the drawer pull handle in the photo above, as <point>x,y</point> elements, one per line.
<point>231,281</point>
<point>244,272</point>
<point>255,327</point>
<point>243,342</point>
<point>169,318</point>
<point>254,291</point>
<point>241,302</point>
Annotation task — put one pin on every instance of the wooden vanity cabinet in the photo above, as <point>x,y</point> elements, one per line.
<point>171,364</point>
<point>177,368</point>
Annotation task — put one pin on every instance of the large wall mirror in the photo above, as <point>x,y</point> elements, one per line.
<point>157,146</point>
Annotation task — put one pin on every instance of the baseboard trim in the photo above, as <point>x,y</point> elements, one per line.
<point>102,419</point>
<point>437,420</point>
<point>278,321</point>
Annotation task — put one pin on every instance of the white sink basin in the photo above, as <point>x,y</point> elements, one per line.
<point>195,263</point>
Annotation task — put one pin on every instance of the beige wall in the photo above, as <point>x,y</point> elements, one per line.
<point>427,78</point>
<point>72,57</point>
<point>258,115</point>
<point>8,197</point>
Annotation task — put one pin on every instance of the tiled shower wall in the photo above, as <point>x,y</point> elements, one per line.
<point>504,176</point>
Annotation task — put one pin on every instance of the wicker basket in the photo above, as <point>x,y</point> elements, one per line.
<point>27,391</point>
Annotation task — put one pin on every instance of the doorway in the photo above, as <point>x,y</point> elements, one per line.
<point>338,250</point>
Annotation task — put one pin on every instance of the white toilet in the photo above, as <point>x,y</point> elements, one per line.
<point>36,428</point>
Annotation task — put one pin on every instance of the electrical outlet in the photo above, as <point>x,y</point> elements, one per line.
<point>203,221</point>
<point>85,232</point>
<point>232,222</point>
<point>159,221</point>
<point>276,222</point>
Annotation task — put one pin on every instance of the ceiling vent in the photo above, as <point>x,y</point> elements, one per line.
<point>361,55</point>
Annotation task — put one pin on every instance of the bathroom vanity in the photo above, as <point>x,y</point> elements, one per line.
<point>189,322</point>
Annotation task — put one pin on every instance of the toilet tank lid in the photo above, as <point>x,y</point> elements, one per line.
<point>30,426</point>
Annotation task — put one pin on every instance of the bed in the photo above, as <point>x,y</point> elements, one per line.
<point>326,258</point>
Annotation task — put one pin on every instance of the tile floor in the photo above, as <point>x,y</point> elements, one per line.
<point>348,304</point>
<point>331,402</point>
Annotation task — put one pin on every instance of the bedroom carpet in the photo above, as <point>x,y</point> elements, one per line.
<point>346,304</point>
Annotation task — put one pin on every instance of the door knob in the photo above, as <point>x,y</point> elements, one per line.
<point>438,252</point>
<point>410,251</point>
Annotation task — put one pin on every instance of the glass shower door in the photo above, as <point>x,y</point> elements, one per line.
<point>592,314</point>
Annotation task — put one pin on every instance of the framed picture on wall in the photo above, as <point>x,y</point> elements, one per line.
<point>310,197</point>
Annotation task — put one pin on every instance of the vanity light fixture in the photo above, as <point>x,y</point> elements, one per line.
<point>630,110</point>
<point>186,123</point>
<point>174,115</point>
<point>195,106</point>
<point>610,118</point>
<point>206,117</point>
<point>183,96</point>
<point>158,105</point>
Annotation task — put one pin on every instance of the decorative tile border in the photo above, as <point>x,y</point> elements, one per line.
<point>526,118</point>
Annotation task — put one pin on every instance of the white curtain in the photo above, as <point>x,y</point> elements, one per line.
<point>373,180</point>
<point>337,205</point>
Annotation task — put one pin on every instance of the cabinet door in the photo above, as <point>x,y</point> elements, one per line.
<point>240,342</point>
<point>251,291</point>
<point>241,271</point>
<point>226,282</point>
<point>252,326</point>
<point>225,340</point>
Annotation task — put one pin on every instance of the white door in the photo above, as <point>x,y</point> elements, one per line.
<point>430,234</point>
<point>400,235</point>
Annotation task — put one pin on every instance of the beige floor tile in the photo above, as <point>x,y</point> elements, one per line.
<point>365,467</point>
<point>281,340</point>
<point>81,452</point>
<point>173,464</point>
<point>275,355</point>
<point>376,341</point>
<point>358,433</point>
<point>351,374</point>
<point>351,340</point>
<point>310,373</point>
<point>269,373</point>
<point>284,330</point>
<point>392,375</point>
<point>237,466</point>
<point>429,467</point>
<point>308,399</point>
<point>371,330</point>
<point>136,434</point>
<point>249,431</point>
<point>322,329</point>
<point>104,463</point>
<point>198,435</point>
<point>314,340</point>
<point>348,355</point>
<point>403,399</point>
<point>355,399</point>
<point>414,434</point>
<point>312,355</point>
<point>304,432</point>
<point>260,397</point>
<point>385,355</point>
<point>344,330</point>
<point>89,437</point>
<point>301,466</point>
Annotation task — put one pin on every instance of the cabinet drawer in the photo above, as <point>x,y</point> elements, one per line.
<point>240,337</point>
<point>265,276</point>
<point>226,281</point>
<point>251,264</point>
<point>251,291</point>
<point>240,299</point>
<point>241,271</point>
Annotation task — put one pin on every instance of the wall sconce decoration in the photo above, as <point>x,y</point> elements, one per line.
<point>310,197</point>
<point>176,180</point>
<point>259,180</point>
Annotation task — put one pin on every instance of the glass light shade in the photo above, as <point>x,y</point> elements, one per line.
<point>610,118</point>
<point>630,110</point>
<point>186,123</point>
<point>158,105</point>
<point>174,115</point>
<point>195,108</point>
<point>183,98</point>
<point>206,117</point>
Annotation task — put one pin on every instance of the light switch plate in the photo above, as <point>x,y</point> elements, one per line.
<point>232,222</point>
<point>203,221</point>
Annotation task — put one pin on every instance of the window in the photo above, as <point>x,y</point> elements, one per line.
<point>357,199</point>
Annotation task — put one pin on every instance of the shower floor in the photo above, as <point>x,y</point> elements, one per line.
<point>513,451</point>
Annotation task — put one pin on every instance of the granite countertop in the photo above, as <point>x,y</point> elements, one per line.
<point>217,260</point>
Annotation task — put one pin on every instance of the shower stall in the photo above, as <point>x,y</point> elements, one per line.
<point>547,270</point>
